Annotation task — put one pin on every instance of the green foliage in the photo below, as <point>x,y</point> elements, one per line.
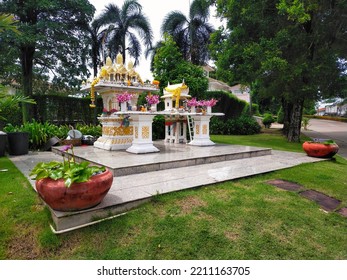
<point>122,24</point>
<point>39,133</point>
<point>93,130</point>
<point>191,34</point>
<point>170,67</point>
<point>52,39</point>
<point>268,120</point>
<point>288,48</point>
<point>280,115</point>
<point>66,110</point>
<point>9,105</point>
<point>71,172</point>
<point>229,104</point>
<point>305,123</point>
<point>7,22</point>
<point>243,125</point>
<point>255,109</point>
<point>158,127</point>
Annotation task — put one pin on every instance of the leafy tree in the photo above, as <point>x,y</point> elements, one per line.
<point>8,66</point>
<point>292,50</point>
<point>52,40</point>
<point>122,23</point>
<point>191,34</point>
<point>171,67</point>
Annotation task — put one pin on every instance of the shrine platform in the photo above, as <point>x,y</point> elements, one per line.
<point>139,177</point>
<point>171,156</point>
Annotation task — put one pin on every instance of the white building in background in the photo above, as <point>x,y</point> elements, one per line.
<point>337,108</point>
<point>240,91</point>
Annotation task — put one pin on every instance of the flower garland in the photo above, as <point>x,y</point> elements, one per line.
<point>193,102</point>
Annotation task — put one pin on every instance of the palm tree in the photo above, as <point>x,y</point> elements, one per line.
<point>97,39</point>
<point>191,35</point>
<point>122,24</point>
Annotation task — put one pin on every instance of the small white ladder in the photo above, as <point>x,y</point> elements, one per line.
<point>190,122</point>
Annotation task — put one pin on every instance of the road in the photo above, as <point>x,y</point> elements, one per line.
<point>325,129</point>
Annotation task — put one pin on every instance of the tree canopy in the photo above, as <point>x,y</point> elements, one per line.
<point>52,39</point>
<point>127,27</point>
<point>292,50</point>
<point>192,34</point>
<point>171,67</point>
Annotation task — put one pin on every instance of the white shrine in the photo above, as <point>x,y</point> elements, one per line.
<point>127,127</point>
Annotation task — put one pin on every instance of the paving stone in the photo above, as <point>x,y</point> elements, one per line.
<point>343,211</point>
<point>326,202</point>
<point>286,185</point>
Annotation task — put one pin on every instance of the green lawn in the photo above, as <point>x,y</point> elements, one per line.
<point>241,219</point>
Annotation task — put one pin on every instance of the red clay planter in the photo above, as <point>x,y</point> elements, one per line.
<point>319,149</point>
<point>78,196</point>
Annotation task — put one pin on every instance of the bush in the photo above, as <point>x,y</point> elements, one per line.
<point>39,133</point>
<point>158,127</point>
<point>244,125</point>
<point>229,104</point>
<point>268,120</point>
<point>280,116</point>
<point>93,130</point>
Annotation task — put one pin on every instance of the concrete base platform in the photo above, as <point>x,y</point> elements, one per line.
<point>170,156</point>
<point>176,167</point>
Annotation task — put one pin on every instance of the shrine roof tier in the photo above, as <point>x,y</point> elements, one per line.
<point>103,87</point>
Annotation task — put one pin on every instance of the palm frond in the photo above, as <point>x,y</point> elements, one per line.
<point>8,22</point>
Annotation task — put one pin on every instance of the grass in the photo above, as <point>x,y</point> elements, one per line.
<point>241,219</point>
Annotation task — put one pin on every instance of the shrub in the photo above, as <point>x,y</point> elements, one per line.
<point>244,125</point>
<point>158,127</point>
<point>93,130</point>
<point>268,120</point>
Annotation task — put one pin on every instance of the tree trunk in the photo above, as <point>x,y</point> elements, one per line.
<point>95,56</point>
<point>287,111</point>
<point>294,130</point>
<point>27,56</point>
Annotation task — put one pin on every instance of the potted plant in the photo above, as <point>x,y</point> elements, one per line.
<point>18,140</point>
<point>152,100</point>
<point>123,98</point>
<point>71,186</point>
<point>323,148</point>
<point>192,103</point>
<point>8,102</point>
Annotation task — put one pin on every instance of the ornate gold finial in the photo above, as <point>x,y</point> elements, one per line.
<point>108,61</point>
<point>130,65</point>
<point>119,58</point>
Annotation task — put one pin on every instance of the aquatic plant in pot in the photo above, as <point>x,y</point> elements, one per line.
<point>323,148</point>
<point>69,185</point>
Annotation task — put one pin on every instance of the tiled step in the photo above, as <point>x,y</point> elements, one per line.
<point>170,156</point>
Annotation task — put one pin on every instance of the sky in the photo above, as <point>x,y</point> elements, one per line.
<point>155,10</point>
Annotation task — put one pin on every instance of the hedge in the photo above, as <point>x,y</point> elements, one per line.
<point>229,104</point>
<point>65,110</point>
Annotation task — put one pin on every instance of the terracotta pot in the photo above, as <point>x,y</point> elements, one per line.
<point>314,149</point>
<point>79,196</point>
